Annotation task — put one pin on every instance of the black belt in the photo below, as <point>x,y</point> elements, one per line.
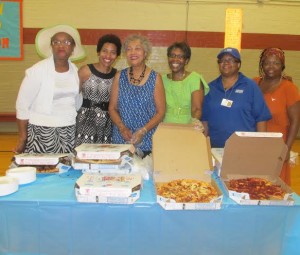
<point>88,104</point>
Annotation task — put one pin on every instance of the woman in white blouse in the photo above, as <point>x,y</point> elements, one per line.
<point>46,103</point>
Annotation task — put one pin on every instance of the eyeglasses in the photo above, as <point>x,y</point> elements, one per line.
<point>229,60</point>
<point>61,43</point>
<point>180,57</point>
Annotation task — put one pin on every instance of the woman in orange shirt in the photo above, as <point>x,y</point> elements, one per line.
<point>282,98</point>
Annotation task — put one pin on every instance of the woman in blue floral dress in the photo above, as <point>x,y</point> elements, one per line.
<point>137,103</point>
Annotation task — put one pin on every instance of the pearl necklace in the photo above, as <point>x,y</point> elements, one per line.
<point>137,81</point>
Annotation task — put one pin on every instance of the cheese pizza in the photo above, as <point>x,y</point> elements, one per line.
<point>257,188</point>
<point>187,191</point>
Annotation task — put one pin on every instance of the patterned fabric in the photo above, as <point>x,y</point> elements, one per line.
<point>50,139</point>
<point>136,107</point>
<point>93,123</point>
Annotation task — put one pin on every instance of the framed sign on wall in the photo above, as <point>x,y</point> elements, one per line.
<point>11,30</point>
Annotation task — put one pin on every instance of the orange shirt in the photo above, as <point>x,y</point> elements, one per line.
<point>278,101</point>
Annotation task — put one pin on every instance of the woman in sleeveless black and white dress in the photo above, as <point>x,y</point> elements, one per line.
<point>93,123</point>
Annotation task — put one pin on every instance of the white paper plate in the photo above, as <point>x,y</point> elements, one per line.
<point>24,174</point>
<point>8,185</point>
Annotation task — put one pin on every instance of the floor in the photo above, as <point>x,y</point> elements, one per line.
<point>8,141</point>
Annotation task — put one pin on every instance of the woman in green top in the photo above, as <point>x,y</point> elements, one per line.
<point>184,90</point>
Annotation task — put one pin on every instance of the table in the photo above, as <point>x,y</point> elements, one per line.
<point>44,218</point>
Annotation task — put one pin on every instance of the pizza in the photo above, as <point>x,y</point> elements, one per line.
<point>187,191</point>
<point>257,188</point>
<point>43,169</point>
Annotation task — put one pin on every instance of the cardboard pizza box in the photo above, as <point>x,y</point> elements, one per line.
<point>108,188</point>
<point>182,152</point>
<point>39,159</point>
<point>103,151</point>
<point>108,200</point>
<point>119,166</point>
<point>254,154</point>
<point>45,163</point>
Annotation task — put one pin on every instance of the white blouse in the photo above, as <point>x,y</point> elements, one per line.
<point>48,98</point>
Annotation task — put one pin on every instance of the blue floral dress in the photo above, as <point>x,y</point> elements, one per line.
<point>136,107</point>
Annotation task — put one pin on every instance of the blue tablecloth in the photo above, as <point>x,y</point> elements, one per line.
<point>44,218</point>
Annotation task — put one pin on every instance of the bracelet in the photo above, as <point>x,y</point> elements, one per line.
<point>143,130</point>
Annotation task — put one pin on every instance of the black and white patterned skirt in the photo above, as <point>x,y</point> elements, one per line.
<point>50,139</point>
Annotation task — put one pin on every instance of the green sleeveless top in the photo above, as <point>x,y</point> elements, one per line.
<point>179,97</point>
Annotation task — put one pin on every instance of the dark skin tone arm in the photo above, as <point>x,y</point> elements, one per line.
<point>22,127</point>
<point>261,126</point>
<point>197,101</point>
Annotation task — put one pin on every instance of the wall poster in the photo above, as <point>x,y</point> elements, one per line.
<point>11,30</point>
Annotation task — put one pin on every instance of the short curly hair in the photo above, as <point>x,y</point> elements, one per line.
<point>110,38</point>
<point>180,45</point>
<point>144,41</point>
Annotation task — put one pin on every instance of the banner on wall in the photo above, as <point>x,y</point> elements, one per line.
<point>11,30</point>
<point>233,28</point>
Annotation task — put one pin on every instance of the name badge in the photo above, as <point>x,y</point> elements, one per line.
<point>226,102</point>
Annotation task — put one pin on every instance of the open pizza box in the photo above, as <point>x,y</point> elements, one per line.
<point>182,152</point>
<point>258,155</point>
<point>44,162</point>
<point>108,188</point>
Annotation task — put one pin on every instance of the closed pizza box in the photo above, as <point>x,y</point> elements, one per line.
<point>108,188</point>
<point>108,200</point>
<point>46,163</point>
<point>120,166</point>
<point>39,159</point>
<point>182,152</point>
<point>254,155</point>
<point>103,151</point>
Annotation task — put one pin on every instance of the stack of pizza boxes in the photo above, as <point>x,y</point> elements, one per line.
<point>103,158</point>
<point>182,152</point>
<point>104,180</point>
<point>254,155</point>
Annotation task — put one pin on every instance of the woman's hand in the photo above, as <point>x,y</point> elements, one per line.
<point>126,133</point>
<point>138,136</point>
<point>197,124</point>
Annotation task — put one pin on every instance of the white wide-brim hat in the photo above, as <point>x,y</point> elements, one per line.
<point>43,41</point>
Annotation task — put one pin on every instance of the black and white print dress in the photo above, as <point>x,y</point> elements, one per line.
<point>93,123</point>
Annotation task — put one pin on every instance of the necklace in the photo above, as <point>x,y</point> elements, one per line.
<point>138,80</point>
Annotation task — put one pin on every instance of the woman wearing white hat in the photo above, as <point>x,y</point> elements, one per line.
<point>46,103</point>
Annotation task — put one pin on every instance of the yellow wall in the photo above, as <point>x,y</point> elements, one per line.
<point>272,17</point>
